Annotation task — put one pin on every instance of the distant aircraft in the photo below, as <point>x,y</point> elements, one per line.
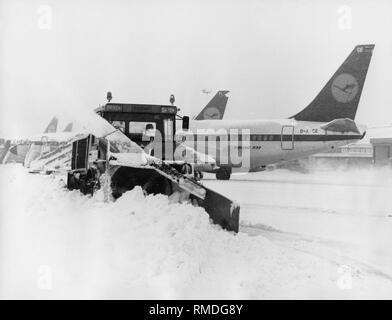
<point>326,123</point>
<point>26,149</point>
<point>52,126</point>
<point>206,91</point>
<point>68,127</point>
<point>4,147</point>
<point>215,108</point>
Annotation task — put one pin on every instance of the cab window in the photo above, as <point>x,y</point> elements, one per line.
<point>144,129</point>
<point>120,125</point>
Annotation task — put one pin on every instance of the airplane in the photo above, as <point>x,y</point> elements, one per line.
<point>68,127</point>
<point>325,124</point>
<point>4,147</point>
<point>52,126</point>
<point>26,149</point>
<point>215,109</point>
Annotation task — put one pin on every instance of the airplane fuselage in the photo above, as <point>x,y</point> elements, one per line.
<point>252,144</point>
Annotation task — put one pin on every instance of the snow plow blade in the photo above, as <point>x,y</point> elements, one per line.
<point>163,179</point>
<point>222,211</point>
<point>93,167</point>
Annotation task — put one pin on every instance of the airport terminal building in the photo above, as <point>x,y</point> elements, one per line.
<point>374,150</point>
<point>382,151</point>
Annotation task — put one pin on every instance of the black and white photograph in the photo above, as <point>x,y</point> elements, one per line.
<point>189,150</point>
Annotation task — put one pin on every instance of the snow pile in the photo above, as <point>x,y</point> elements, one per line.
<point>60,244</point>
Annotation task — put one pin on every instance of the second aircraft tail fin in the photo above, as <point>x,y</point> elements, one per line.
<point>215,109</point>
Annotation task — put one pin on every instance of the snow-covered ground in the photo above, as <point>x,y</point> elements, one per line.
<point>319,235</point>
<point>341,216</point>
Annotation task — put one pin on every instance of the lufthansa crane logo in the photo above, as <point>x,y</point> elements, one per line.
<point>212,113</point>
<point>344,88</point>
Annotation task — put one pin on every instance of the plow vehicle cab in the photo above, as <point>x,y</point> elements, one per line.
<point>139,151</point>
<point>152,127</point>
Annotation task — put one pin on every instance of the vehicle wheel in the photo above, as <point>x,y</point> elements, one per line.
<point>82,186</point>
<point>223,174</point>
<point>198,175</point>
<point>70,182</point>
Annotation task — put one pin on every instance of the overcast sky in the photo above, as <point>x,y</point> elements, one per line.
<point>60,57</point>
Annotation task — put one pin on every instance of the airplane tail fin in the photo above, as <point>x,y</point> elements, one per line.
<point>52,126</point>
<point>3,153</point>
<point>340,96</point>
<point>215,109</point>
<point>68,127</point>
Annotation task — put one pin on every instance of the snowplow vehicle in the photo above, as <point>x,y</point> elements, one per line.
<point>140,151</point>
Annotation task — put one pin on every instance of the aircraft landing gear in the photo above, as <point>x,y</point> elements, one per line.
<point>223,174</point>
